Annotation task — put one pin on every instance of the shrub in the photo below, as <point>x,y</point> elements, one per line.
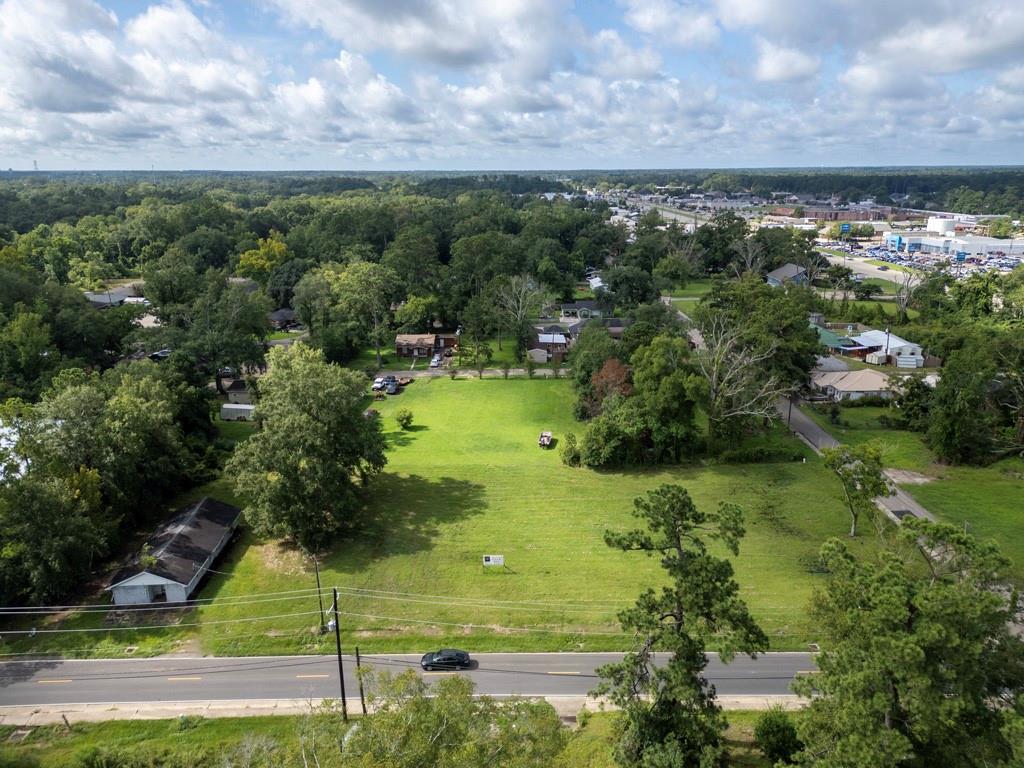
<point>570,451</point>
<point>759,455</point>
<point>505,368</point>
<point>404,418</point>
<point>776,735</point>
<point>531,367</point>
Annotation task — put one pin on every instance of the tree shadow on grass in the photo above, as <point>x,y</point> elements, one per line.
<point>405,516</point>
<point>402,437</point>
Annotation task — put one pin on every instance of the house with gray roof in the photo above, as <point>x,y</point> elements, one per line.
<point>177,556</point>
<point>787,273</point>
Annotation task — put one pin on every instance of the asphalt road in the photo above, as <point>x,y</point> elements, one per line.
<point>295,677</point>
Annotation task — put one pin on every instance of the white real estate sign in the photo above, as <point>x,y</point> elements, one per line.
<point>494,560</point>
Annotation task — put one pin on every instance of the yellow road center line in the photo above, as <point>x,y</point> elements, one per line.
<point>561,673</point>
<point>178,679</point>
<point>52,682</point>
<point>310,677</point>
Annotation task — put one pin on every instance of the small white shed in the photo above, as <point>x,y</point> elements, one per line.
<point>537,355</point>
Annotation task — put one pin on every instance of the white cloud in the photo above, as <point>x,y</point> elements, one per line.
<point>776,64</point>
<point>613,58</point>
<point>685,24</point>
<point>527,36</point>
<point>520,83</point>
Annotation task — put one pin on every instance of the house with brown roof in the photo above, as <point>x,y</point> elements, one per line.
<point>415,344</point>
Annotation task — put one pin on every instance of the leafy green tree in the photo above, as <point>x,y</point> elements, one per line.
<point>627,287</point>
<point>283,279</point>
<point>662,375</point>
<point>52,532</point>
<point>299,475</point>
<point>776,736</point>
<point>670,715</point>
<point>962,421</point>
<point>861,473</point>
<point>414,258</point>
<point>415,724</point>
<point>364,292</point>
<point>911,408</point>
<point>920,657</point>
<point>259,262</point>
<point>417,314</point>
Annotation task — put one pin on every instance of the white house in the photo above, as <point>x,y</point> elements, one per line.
<point>177,556</point>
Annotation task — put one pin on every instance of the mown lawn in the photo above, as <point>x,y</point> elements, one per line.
<point>990,500</point>
<point>694,289</point>
<point>900,449</point>
<point>469,480</point>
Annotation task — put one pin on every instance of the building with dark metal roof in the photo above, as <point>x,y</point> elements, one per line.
<point>178,555</point>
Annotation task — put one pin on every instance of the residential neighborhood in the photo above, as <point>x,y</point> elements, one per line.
<point>511,384</point>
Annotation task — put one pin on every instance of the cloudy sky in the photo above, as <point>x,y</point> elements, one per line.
<point>517,84</point>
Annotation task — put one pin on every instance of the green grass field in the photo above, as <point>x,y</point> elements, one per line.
<point>900,449</point>
<point>990,500</point>
<point>694,289</point>
<point>469,480</point>
<point>987,499</point>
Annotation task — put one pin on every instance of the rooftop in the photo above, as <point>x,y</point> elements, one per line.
<point>184,543</point>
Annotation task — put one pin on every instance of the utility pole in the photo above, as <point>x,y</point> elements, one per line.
<point>359,677</point>
<point>319,592</point>
<point>341,669</point>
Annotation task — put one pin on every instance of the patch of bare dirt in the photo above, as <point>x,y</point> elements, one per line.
<point>906,477</point>
<point>283,558</point>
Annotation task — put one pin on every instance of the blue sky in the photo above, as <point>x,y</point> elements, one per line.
<point>516,84</point>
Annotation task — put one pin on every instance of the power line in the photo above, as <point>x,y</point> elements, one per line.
<point>154,626</point>
<point>188,604</point>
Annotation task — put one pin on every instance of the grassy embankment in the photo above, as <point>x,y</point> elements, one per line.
<point>203,743</point>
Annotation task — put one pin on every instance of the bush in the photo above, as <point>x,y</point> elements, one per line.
<point>864,402</point>
<point>404,418</point>
<point>531,367</point>
<point>776,735</point>
<point>570,451</point>
<point>505,368</point>
<point>759,455</point>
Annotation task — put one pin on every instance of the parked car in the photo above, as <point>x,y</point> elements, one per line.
<point>378,384</point>
<point>391,388</point>
<point>435,361</point>
<point>446,658</point>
